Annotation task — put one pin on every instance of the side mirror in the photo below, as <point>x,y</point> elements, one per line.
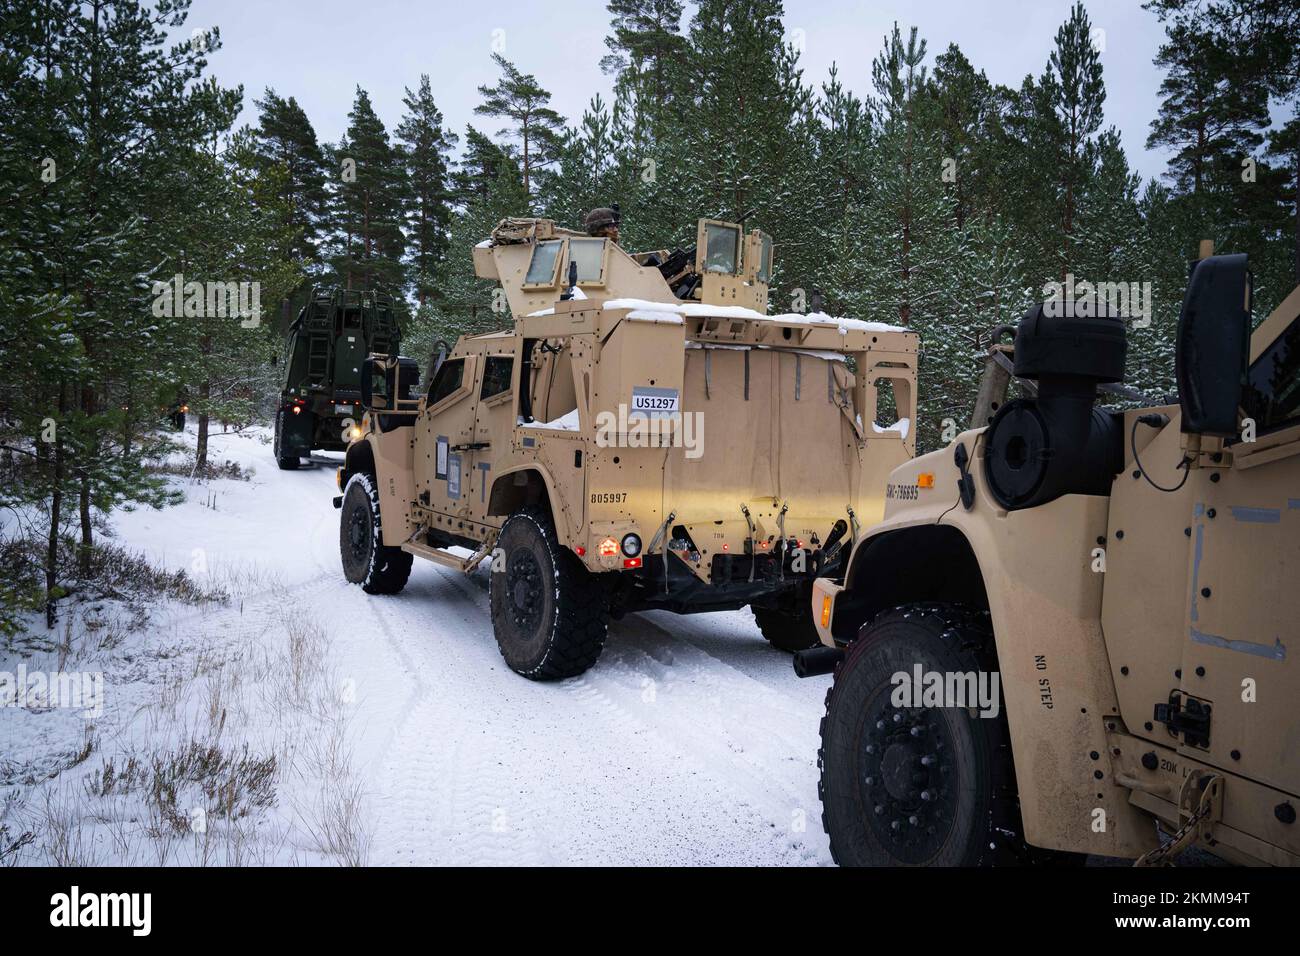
<point>372,372</point>
<point>1214,345</point>
<point>408,380</point>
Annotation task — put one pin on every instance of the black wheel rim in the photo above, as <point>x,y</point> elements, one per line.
<point>524,594</point>
<point>907,786</point>
<point>359,535</point>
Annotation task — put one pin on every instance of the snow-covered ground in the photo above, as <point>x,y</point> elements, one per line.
<point>399,735</point>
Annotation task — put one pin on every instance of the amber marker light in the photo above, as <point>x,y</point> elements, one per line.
<point>925,480</point>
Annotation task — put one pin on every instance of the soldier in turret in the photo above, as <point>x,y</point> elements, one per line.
<point>603,222</point>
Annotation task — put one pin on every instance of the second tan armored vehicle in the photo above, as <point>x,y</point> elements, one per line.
<point>647,436</point>
<point>1073,623</point>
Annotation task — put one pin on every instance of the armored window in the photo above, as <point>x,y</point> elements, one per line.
<point>765,259</point>
<point>589,255</point>
<point>541,271</point>
<point>496,375</point>
<point>447,380</point>
<point>721,248</point>
<point>1272,395</point>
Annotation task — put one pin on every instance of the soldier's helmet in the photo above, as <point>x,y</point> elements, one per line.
<point>601,221</point>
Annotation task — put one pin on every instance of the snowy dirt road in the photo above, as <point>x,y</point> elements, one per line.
<point>689,742</point>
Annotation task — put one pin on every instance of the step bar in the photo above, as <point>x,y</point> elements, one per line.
<point>446,558</point>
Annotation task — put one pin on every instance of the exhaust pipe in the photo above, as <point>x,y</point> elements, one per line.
<point>815,661</point>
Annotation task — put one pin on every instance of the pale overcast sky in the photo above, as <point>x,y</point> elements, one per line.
<point>319,50</point>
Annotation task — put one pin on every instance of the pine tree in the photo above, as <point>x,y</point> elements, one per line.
<point>112,104</point>
<point>645,45</point>
<point>488,188</point>
<point>588,171</point>
<point>285,138</point>
<point>370,193</point>
<point>534,126</point>
<point>427,154</point>
<point>285,149</point>
<point>1076,93</point>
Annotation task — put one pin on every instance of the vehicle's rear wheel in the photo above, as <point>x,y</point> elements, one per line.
<point>289,462</point>
<point>917,785</point>
<point>549,613</point>
<point>378,568</point>
<point>789,628</point>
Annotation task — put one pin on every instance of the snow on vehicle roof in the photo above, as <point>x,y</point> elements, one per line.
<point>641,308</point>
<point>697,309</point>
<point>655,315</point>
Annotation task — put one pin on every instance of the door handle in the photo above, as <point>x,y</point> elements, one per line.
<point>472,446</point>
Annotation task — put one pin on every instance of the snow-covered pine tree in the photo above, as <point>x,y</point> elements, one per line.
<point>910,230</point>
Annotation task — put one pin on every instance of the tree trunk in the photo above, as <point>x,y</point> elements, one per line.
<point>87,536</point>
<point>88,405</point>
<point>205,392</point>
<point>56,513</point>
<point>201,451</point>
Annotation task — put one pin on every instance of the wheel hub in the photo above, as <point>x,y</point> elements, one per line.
<point>524,585</point>
<point>905,785</point>
<point>358,533</point>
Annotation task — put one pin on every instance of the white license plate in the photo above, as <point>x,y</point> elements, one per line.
<point>342,409</point>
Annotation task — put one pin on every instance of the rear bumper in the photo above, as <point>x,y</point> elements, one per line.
<point>676,587</point>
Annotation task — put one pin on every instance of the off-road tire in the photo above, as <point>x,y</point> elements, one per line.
<point>789,630</point>
<point>970,814</point>
<point>549,613</point>
<point>367,561</point>
<point>286,464</point>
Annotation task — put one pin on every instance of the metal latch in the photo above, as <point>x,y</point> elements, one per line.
<point>1186,715</point>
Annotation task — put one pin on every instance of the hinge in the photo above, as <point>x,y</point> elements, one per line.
<point>1186,715</point>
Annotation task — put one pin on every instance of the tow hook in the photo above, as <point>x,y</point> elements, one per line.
<point>815,661</point>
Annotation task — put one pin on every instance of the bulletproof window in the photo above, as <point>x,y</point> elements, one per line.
<point>589,255</point>
<point>541,270</point>
<point>721,248</point>
<point>447,380</point>
<point>496,375</point>
<point>765,259</point>
<point>1272,394</point>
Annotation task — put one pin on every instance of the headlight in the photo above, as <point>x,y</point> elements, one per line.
<point>631,545</point>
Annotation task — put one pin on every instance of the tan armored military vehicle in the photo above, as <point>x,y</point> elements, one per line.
<point>1132,581</point>
<point>646,437</point>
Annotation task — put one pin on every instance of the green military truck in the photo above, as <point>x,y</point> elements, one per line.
<point>320,400</point>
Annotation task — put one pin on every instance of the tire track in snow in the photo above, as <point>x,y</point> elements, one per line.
<point>495,798</point>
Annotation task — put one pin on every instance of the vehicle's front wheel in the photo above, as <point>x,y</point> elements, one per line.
<point>378,568</point>
<point>286,462</point>
<point>549,613</point>
<point>905,782</point>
